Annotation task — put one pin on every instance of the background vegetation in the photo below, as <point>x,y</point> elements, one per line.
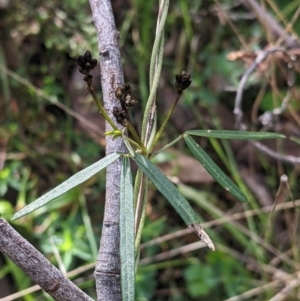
<point>50,129</point>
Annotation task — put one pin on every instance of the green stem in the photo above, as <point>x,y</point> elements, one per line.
<point>148,113</point>
<point>139,202</point>
<point>133,142</point>
<point>140,212</point>
<point>134,134</point>
<point>157,41</point>
<point>155,68</point>
<point>90,88</point>
<point>158,134</point>
<point>167,146</point>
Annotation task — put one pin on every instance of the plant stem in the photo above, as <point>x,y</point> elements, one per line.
<point>91,89</point>
<point>135,135</point>
<point>168,145</point>
<point>155,69</point>
<point>133,142</point>
<point>107,269</point>
<point>158,134</point>
<point>139,222</point>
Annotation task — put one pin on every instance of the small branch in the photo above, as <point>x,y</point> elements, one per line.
<point>167,145</point>
<point>239,95</point>
<point>290,285</point>
<point>161,129</point>
<point>266,20</point>
<point>284,158</point>
<point>239,98</point>
<point>36,266</point>
<point>135,135</point>
<point>155,70</point>
<point>182,82</point>
<point>91,89</point>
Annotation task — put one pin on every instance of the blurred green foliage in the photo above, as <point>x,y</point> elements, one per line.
<point>220,274</point>
<point>39,42</point>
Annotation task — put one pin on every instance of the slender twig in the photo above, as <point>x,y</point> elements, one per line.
<point>289,27</point>
<point>161,129</point>
<point>134,134</point>
<point>231,24</point>
<point>36,288</point>
<point>140,216</point>
<point>222,220</point>
<point>239,113</point>
<point>267,20</point>
<point>290,285</point>
<point>239,95</point>
<point>284,158</point>
<point>149,120</point>
<point>139,191</point>
<point>155,70</point>
<point>36,266</point>
<point>150,110</point>
<point>256,291</point>
<point>167,145</point>
<point>280,193</point>
<point>91,89</point>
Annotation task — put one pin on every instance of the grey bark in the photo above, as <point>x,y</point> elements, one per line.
<point>36,266</point>
<point>267,20</point>
<point>107,271</point>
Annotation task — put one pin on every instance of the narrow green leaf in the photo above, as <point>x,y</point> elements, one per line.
<point>127,233</point>
<point>213,169</point>
<point>164,185</point>
<point>224,134</point>
<point>72,182</point>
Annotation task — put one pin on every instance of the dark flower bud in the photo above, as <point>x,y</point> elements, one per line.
<point>183,81</point>
<point>119,93</point>
<point>87,56</point>
<point>126,89</point>
<point>93,63</point>
<point>86,63</point>
<point>129,101</point>
<point>120,116</point>
<point>80,60</point>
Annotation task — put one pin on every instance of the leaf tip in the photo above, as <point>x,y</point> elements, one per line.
<point>243,198</point>
<point>203,235</point>
<point>14,218</point>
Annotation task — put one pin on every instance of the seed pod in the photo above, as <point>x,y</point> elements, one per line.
<point>183,81</point>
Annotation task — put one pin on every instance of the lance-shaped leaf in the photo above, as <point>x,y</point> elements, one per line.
<point>175,198</point>
<point>224,134</point>
<point>170,192</point>
<point>213,169</point>
<point>72,182</point>
<point>127,233</point>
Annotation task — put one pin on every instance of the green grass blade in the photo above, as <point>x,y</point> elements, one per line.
<point>127,253</point>
<point>224,134</point>
<point>213,169</point>
<point>171,193</point>
<point>72,182</point>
